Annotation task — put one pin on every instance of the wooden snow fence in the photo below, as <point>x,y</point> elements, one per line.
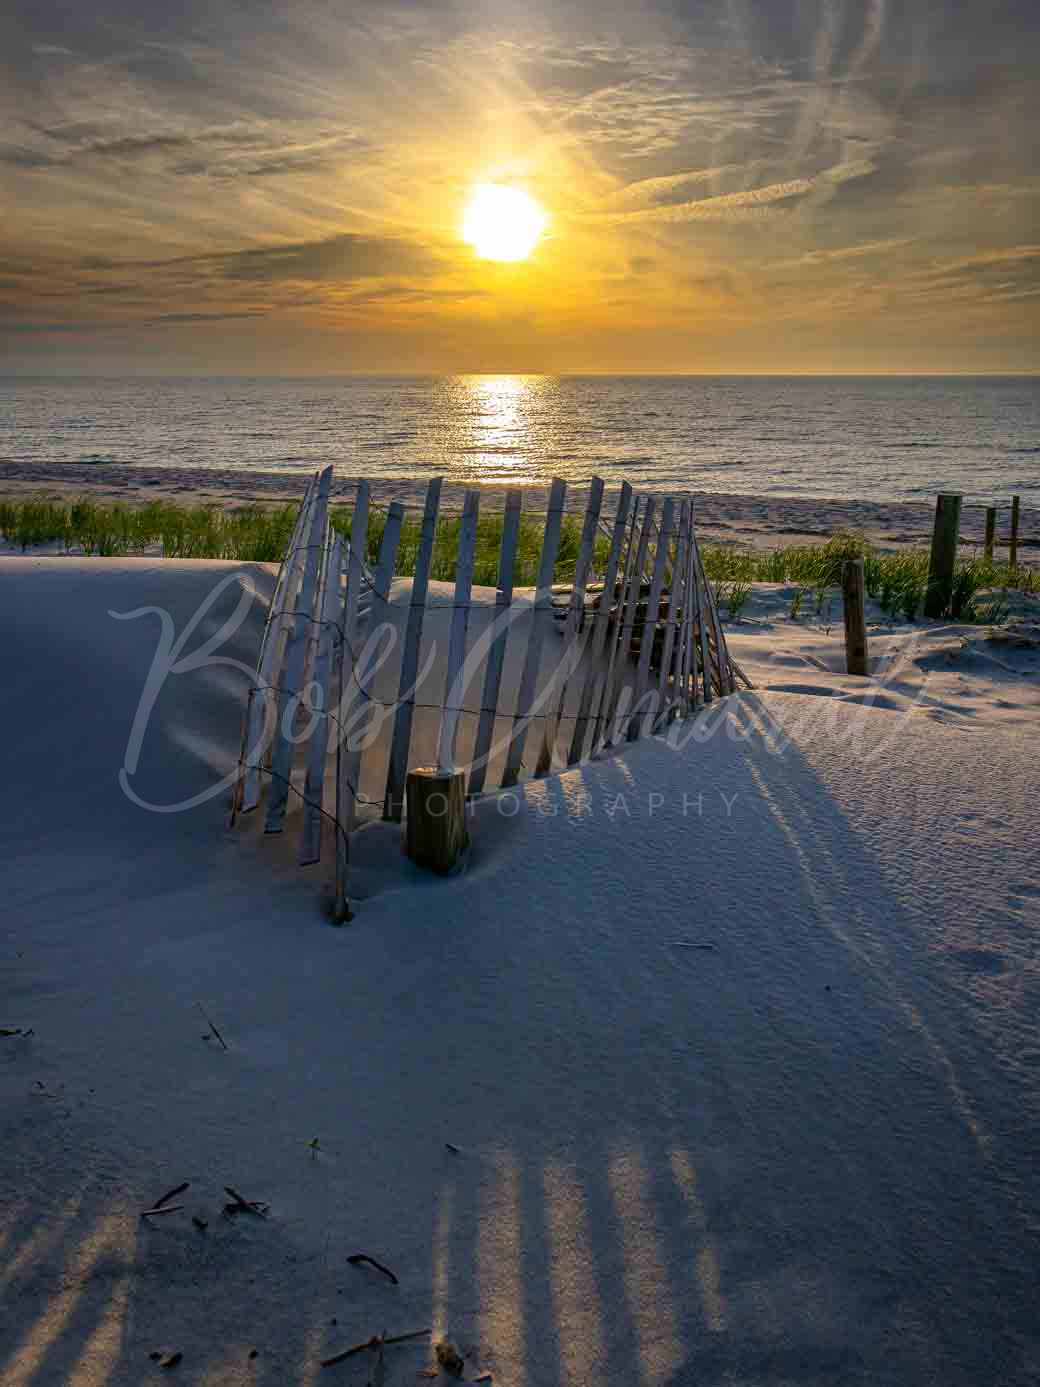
<point>533,678</point>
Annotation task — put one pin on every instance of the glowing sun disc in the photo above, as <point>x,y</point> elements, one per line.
<point>502,223</point>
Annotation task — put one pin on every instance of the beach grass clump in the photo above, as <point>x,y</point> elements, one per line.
<point>250,533</point>
<point>898,580</point>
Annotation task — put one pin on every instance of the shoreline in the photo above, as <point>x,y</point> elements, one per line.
<point>742,521</point>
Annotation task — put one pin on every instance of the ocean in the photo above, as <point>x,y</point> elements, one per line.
<point>869,438</point>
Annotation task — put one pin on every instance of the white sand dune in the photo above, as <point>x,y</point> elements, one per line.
<point>804,1154</point>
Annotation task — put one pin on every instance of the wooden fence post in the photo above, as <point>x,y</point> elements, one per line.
<point>991,533</point>
<point>435,825</point>
<point>1013,546</point>
<point>945,536</point>
<point>852,586</point>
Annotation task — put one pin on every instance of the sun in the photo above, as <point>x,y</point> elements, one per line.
<point>502,223</point>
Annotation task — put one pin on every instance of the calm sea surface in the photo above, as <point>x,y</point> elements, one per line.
<point>892,438</point>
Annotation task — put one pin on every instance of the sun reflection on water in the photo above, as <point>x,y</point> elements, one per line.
<point>502,428</point>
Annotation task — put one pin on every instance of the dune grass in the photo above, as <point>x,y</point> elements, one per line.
<point>259,534</point>
<point>897,580</point>
<point>184,532</point>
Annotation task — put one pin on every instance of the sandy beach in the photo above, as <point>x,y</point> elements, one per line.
<point>717,1064</point>
<point>742,521</point>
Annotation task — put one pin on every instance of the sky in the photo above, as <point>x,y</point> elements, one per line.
<point>277,186</point>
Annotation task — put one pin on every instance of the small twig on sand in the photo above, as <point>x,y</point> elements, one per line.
<point>248,1206</point>
<point>177,1189</point>
<point>377,1378</point>
<point>167,1209</point>
<point>357,1258</point>
<point>374,1342</point>
<point>210,1024</point>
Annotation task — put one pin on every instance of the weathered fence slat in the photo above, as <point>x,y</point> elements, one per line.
<point>364,669</point>
<point>321,737</point>
<point>541,615</point>
<point>691,700</point>
<point>670,654</point>
<point>347,761</point>
<point>619,647</point>
<point>247,795</point>
<point>464,563</point>
<point>702,623</point>
<point>401,738</point>
<point>648,631</point>
<point>298,646</point>
<point>724,680</point>
<point>575,612</point>
<point>600,625</point>
<point>689,674</point>
<point>497,653</point>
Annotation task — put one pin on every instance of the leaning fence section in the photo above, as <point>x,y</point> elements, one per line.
<point>628,642</point>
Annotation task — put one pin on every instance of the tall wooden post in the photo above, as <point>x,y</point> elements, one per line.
<point>945,537</point>
<point>852,587</point>
<point>991,533</point>
<point>1013,546</point>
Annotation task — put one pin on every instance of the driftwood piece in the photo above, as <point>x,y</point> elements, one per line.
<point>374,1343</point>
<point>210,1024</point>
<point>240,1204</point>
<point>358,1259</point>
<point>172,1194</point>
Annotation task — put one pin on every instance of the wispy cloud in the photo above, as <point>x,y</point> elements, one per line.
<point>725,207</point>
<point>839,254</point>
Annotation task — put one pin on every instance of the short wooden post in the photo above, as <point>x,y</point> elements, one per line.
<point>991,533</point>
<point>945,536</point>
<point>435,826</point>
<point>852,586</point>
<point>1013,545</point>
